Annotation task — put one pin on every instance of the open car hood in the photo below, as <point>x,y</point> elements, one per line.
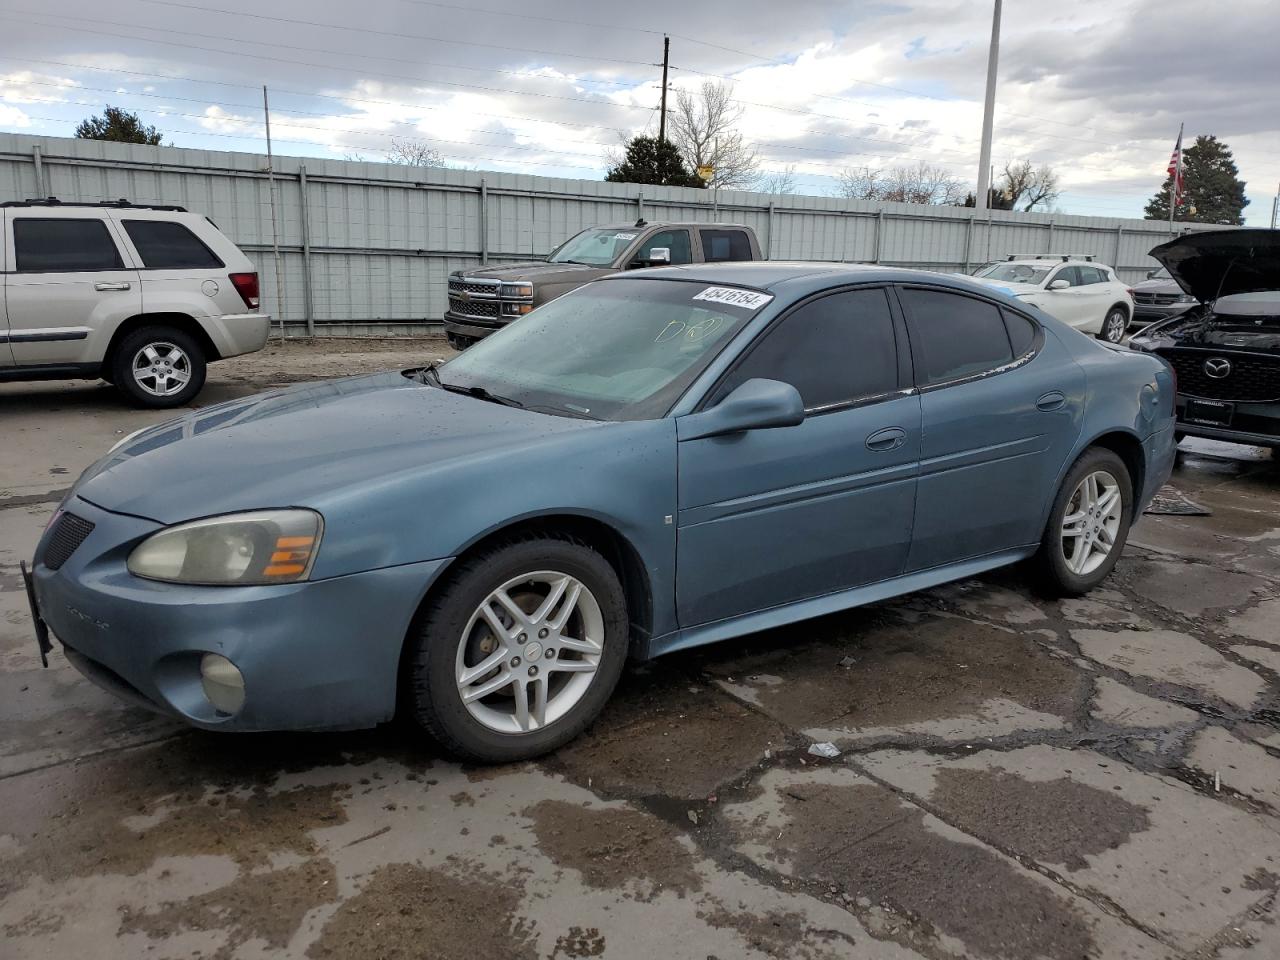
<point>1221,263</point>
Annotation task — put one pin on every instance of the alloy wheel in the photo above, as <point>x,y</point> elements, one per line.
<point>529,652</point>
<point>1091,522</point>
<point>1113,328</point>
<point>161,368</point>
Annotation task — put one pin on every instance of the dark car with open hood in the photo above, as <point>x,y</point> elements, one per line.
<point>1225,349</point>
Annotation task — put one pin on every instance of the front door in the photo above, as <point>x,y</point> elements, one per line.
<point>1000,402</point>
<point>68,288</point>
<point>767,517</point>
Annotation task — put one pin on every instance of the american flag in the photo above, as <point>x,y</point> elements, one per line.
<point>1175,169</point>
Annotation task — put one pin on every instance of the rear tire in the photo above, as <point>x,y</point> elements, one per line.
<point>1087,530</point>
<point>540,694</point>
<point>1114,325</point>
<point>158,367</point>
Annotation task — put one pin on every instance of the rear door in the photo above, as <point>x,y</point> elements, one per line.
<point>1001,401</point>
<point>6,353</point>
<point>69,286</point>
<point>768,517</point>
<point>180,270</point>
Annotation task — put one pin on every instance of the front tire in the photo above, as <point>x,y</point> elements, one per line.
<point>1114,325</point>
<point>521,649</point>
<point>1088,524</point>
<point>158,367</point>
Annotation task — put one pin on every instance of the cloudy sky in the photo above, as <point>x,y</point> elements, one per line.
<point>1097,88</point>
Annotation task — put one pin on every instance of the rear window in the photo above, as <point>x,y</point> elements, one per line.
<point>719,245</point>
<point>166,245</point>
<point>63,245</point>
<point>954,336</point>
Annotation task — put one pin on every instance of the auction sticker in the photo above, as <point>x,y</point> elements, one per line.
<point>624,236</point>
<point>735,297</point>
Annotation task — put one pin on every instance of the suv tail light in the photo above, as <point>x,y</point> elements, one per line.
<point>246,285</point>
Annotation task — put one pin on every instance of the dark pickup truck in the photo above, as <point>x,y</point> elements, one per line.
<point>484,299</point>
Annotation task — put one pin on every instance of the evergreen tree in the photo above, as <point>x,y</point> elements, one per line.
<point>1212,191</point>
<point>118,125</point>
<point>650,160</point>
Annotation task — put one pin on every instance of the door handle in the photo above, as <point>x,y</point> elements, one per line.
<point>1053,400</point>
<point>890,438</point>
<point>121,285</point>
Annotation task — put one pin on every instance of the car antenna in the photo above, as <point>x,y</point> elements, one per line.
<point>642,222</point>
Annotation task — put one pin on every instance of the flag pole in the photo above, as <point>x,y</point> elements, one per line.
<point>1177,175</point>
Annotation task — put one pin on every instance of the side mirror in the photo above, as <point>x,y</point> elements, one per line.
<point>1150,274</point>
<point>755,405</point>
<point>659,255</point>
<point>1060,285</point>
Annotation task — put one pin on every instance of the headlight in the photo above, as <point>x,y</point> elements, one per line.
<point>1185,298</point>
<point>267,546</point>
<point>514,290</point>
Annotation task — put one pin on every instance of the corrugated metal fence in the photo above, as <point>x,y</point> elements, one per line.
<point>366,247</point>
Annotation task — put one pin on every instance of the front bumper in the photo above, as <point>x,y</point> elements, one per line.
<point>473,327</point>
<point>1146,313</point>
<point>1252,423</point>
<point>318,655</point>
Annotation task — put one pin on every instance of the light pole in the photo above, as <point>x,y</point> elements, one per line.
<point>984,161</point>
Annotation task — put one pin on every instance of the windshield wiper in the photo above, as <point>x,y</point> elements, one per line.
<point>427,374</point>
<point>480,393</point>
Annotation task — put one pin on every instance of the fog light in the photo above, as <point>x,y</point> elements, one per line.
<point>222,682</point>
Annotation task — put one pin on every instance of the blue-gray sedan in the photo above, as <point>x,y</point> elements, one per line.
<point>654,461</point>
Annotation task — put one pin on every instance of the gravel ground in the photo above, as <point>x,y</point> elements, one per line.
<point>1018,777</point>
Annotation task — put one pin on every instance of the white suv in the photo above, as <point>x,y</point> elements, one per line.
<point>141,296</point>
<point>1072,288</point>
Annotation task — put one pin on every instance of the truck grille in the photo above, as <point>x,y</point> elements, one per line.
<point>482,288</point>
<point>1251,380</point>
<point>1155,299</point>
<point>480,309</point>
<point>68,533</point>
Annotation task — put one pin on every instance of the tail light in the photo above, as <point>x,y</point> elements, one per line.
<point>246,285</point>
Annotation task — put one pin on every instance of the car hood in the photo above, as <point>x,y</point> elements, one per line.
<point>1221,263</point>
<point>306,446</point>
<point>536,271</point>
<point>1157,286</point>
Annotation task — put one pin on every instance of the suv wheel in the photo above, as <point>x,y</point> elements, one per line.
<point>1088,525</point>
<point>520,651</point>
<point>158,367</point>
<point>1114,326</point>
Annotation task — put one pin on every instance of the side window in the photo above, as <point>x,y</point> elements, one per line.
<point>165,245</point>
<point>1093,275</point>
<point>1069,274</point>
<point>677,241</point>
<point>1022,332</point>
<point>720,245</point>
<point>63,246</point>
<point>832,350</point>
<point>953,336</point>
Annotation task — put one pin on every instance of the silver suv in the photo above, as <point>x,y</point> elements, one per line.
<point>141,296</point>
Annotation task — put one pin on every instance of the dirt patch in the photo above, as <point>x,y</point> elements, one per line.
<point>40,923</point>
<point>118,816</point>
<point>407,912</point>
<point>612,848</point>
<point>907,673</point>
<point>256,906</point>
<point>866,840</point>
<point>1262,879</point>
<point>579,942</point>
<point>1055,821</point>
<point>663,735</point>
<point>779,933</point>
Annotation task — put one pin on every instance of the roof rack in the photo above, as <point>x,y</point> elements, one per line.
<point>120,204</point>
<point>1051,256</point>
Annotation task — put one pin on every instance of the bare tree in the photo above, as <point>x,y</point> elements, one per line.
<point>1028,186</point>
<point>702,126</point>
<point>923,183</point>
<point>414,153</point>
<point>776,181</point>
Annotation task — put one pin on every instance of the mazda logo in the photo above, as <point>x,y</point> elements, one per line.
<point>1217,367</point>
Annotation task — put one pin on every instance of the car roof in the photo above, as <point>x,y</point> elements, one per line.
<point>632,225</point>
<point>772,275</point>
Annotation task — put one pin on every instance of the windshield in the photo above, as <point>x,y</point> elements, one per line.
<point>614,350</point>
<point>598,246</point>
<point>1016,272</point>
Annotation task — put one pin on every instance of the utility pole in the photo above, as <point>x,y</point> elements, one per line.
<point>662,116</point>
<point>983,197</point>
<point>1275,208</point>
<point>271,190</point>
